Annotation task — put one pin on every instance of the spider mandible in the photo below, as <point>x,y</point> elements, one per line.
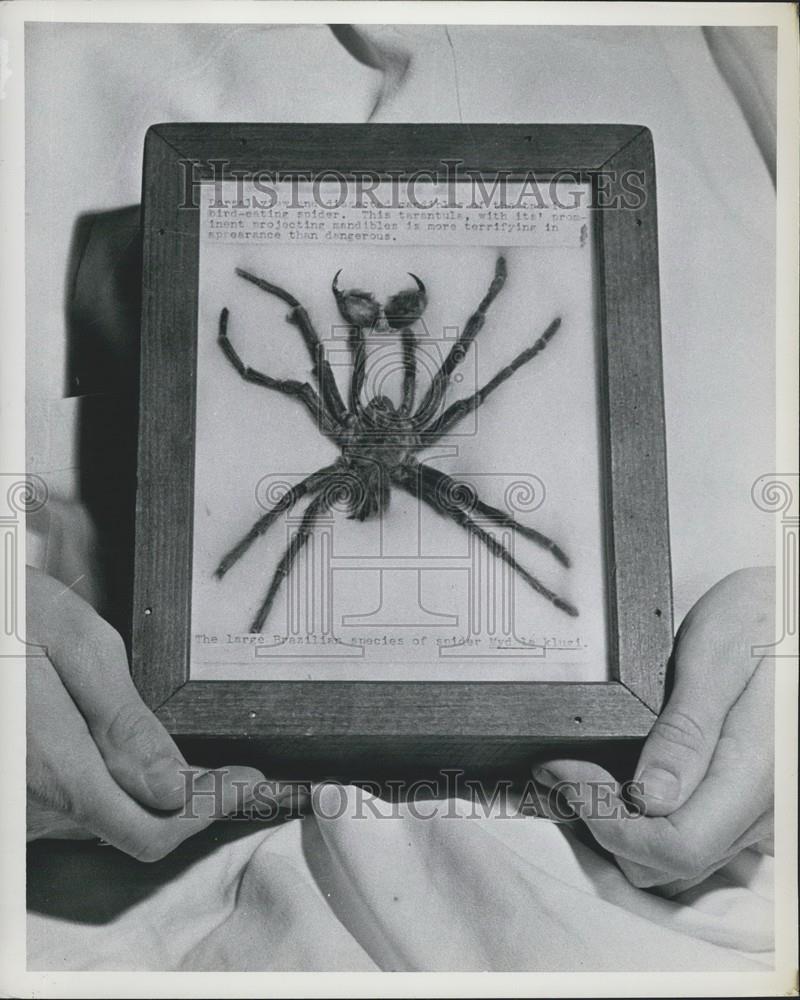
<point>379,441</point>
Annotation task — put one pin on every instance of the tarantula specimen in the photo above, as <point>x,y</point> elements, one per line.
<point>379,441</point>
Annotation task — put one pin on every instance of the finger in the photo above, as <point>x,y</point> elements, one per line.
<point>140,754</point>
<point>713,663</point>
<point>585,789</point>
<point>573,781</point>
<point>736,792</point>
<point>667,884</point>
<point>739,786</point>
<point>90,658</point>
<point>68,777</point>
<point>149,836</point>
<point>648,842</point>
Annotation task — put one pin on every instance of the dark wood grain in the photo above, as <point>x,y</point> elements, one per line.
<point>313,149</point>
<point>465,723</point>
<point>638,542</point>
<point>165,470</point>
<point>363,730</point>
<point>423,710</point>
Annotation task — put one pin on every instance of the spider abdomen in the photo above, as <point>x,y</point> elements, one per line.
<point>380,442</point>
<point>368,490</point>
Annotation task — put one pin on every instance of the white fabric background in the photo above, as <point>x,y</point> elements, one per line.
<point>440,894</point>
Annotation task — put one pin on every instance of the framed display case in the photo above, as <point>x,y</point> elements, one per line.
<point>401,476</point>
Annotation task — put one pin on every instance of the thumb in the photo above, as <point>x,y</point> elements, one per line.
<point>713,662</point>
<point>90,659</point>
<point>677,753</point>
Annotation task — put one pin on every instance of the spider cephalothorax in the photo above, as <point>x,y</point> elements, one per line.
<point>378,440</point>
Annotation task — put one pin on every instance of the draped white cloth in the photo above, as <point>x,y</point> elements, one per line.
<point>349,890</point>
<point>361,892</point>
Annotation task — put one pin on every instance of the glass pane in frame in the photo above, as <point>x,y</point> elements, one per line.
<point>406,593</point>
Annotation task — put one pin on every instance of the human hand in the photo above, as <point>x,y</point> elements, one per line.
<point>100,764</point>
<point>704,781</point>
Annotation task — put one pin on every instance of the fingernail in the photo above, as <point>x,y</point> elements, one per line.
<point>546,777</point>
<point>657,783</point>
<point>166,782</point>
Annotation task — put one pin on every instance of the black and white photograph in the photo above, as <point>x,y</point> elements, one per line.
<point>401,499</point>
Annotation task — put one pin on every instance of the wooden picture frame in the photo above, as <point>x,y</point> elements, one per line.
<point>336,726</point>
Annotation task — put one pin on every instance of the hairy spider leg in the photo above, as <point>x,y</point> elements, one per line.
<point>433,397</point>
<point>284,504</point>
<point>462,407</point>
<point>301,390</point>
<point>318,505</point>
<point>409,342</point>
<point>417,487</point>
<point>299,317</point>
<point>358,348</point>
<point>447,488</point>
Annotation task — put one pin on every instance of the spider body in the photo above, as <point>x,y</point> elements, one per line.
<point>379,440</point>
<point>382,436</point>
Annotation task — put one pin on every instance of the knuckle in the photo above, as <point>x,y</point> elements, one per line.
<point>680,734</point>
<point>134,730</point>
